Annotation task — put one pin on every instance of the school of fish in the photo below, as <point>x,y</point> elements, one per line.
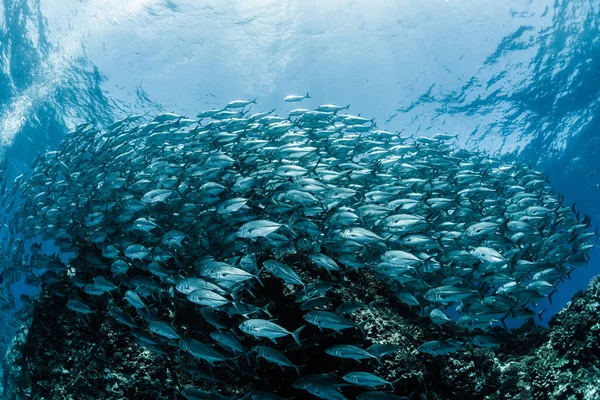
<point>205,211</point>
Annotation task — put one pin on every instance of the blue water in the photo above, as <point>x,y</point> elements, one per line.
<point>517,79</point>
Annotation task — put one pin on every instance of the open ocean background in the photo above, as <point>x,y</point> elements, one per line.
<point>516,79</point>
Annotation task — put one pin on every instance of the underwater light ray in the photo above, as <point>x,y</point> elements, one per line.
<point>97,22</point>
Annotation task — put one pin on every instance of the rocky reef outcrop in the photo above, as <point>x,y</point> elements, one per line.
<point>64,355</point>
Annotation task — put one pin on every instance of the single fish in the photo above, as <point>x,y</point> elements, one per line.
<point>329,320</point>
<point>269,330</point>
<point>258,228</point>
<point>295,98</point>
<point>79,307</point>
<point>367,379</point>
<point>351,352</point>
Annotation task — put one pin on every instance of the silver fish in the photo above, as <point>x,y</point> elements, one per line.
<point>269,330</point>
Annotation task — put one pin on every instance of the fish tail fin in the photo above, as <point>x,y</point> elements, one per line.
<point>393,383</point>
<point>540,230</point>
<point>362,325</point>
<point>258,278</point>
<point>236,304</point>
<point>254,101</point>
<point>296,335</point>
<point>569,273</point>
<point>298,367</point>
<point>503,320</point>
<point>265,309</point>
<point>289,228</point>
<point>440,241</point>
<point>540,314</point>
<point>308,96</point>
<point>314,170</point>
<point>457,197</point>
<point>247,355</point>
<point>389,237</point>
<point>378,358</point>
<point>249,290</point>
<point>235,361</point>
<point>551,294</point>
<point>557,208</point>
<point>371,304</point>
<point>249,395</point>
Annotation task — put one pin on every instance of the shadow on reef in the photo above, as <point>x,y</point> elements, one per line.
<point>69,356</point>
